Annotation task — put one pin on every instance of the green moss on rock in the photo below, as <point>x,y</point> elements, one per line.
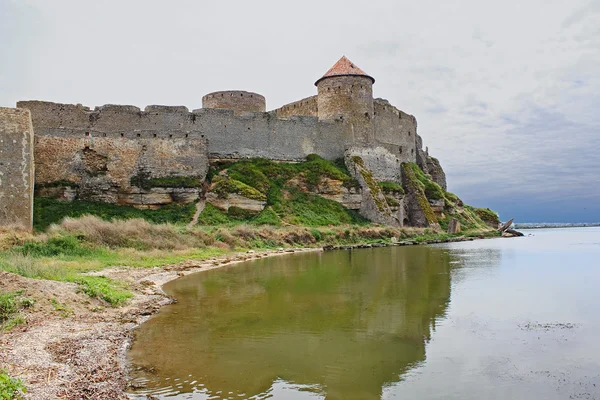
<point>391,187</point>
<point>488,216</point>
<point>224,186</point>
<point>143,180</point>
<point>418,188</point>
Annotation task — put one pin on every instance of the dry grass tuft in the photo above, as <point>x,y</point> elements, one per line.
<point>135,233</point>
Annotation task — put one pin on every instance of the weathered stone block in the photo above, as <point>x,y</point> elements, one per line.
<point>16,168</point>
<point>235,200</point>
<point>453,226</point>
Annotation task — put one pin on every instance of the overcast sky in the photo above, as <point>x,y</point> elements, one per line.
<point>506,93</point>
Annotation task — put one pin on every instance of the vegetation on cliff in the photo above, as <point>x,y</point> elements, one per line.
<point>48,211</point>
<point>278,185</point>
<point>427,190</point>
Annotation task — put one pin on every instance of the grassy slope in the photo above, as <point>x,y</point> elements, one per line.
<point>267,180</point>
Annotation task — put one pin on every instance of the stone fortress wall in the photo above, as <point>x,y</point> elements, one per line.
<point>122,154</point>
<point>306,107</point>
<point>237,100</point>
<point>16,167</point>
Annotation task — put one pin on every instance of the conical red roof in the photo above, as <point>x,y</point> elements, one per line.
<point>344,67</point>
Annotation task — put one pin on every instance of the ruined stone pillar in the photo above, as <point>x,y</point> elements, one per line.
<point>16,168</point>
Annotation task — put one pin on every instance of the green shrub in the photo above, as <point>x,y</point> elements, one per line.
<point>267,217</point>
<point>250,174</point>
<point>8,306</point>
<point>239,214</point>
<point>432,190</point>
<point>54,246</point>
<point>391,187</point>
<point>49,211</point>
<point>488,216</point>
<point>452,197</point>
<point>211,215</point>
<point>11,388</point>
<point>311,210</point>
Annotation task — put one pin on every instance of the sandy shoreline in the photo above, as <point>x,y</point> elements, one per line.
<point>74,347</point>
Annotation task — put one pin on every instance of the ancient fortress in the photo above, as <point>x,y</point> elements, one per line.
<point>103,154</point>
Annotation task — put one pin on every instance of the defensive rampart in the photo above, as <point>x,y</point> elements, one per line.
<point>306,107</point>
<point>229,136</point>
<point>16,168</point>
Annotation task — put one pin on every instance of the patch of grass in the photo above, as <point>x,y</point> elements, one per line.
<point>62,309</point>
<point>391,187</point>
<point>10,306</point>
<point>432,190</point>
<point>240,214</point>
<point>306,209</point>
<point>49,211</point>
<point>263,174</point>
<point>223,186</point>
<point>11,388</point>
<point>54,246</point>
<point>211,215</point>
<point>267,217</point>
<point>104,288</point>
<point>488,216</point>
<point>452,197</point>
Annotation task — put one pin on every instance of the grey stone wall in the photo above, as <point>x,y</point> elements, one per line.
<point>265,135</point>
<point>396,129</point>
<point>16,168</point>
<point>237,100</point>
<point>349,97</point>
<point>306,107</point>
<point>229,135</point>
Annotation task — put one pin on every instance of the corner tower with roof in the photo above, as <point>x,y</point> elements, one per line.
<point>346,92</point>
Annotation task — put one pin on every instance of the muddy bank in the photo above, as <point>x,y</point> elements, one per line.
<point>73,346</point>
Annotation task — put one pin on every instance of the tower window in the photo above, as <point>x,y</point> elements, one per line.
<point>400,149</point>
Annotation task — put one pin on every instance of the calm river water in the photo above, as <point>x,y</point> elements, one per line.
<point>490,319</point>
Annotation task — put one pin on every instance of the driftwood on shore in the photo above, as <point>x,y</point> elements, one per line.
<point>513,232</point>
<point>507,232</point>
<point>506,225</point>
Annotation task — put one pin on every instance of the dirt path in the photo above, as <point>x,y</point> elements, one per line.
<point>73,346</point>
<point>199,208</point>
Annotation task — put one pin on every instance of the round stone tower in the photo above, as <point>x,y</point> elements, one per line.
<point>346,91</point>
<point>236,100</point>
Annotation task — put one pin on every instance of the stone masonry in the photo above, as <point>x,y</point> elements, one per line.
<point>16,168</point>
<point>122,154</point>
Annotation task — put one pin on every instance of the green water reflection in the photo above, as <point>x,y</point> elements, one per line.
<point>346,322</point>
